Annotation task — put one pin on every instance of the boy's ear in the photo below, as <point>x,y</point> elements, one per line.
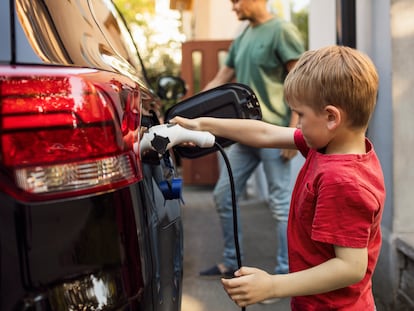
<point>334,117</point>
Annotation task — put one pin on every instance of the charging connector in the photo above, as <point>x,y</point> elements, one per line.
<point>165,136</point>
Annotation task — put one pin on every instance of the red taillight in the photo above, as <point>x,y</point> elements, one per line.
<point>61,131</point>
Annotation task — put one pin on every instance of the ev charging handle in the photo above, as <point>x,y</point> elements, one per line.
<point>165,136</point>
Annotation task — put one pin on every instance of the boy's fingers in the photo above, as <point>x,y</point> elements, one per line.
<point>237,281</point>
<point>245,271</point>
<point>173,120</point>
<point>229,283</point>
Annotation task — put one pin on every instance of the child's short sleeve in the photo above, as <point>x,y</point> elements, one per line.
<point>300,143</point>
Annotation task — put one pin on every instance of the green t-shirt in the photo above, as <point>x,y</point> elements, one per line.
<point>258,56</point>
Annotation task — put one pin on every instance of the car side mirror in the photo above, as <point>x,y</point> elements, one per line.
<point>232,100</point>
<point>171,87</point>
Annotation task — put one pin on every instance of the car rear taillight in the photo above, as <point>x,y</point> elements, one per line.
<point>60,132</point>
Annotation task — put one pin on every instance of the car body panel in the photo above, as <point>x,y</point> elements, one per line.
<point>49,246</point>
<point>115,247</point>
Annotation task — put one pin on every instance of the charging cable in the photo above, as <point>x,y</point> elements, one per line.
<point>233,203</point>
<point>234,206</point>
<point>163,137</point>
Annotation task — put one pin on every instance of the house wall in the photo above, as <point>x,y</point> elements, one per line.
<point>402,34</point>
<point>402,44</point>
<point>214,19</point>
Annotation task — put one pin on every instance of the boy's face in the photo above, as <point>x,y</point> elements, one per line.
<point>314,125</point>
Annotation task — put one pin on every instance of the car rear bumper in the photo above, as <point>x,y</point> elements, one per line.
<point>92,253</point>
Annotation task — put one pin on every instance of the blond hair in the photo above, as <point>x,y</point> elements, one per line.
<point>338,76</point>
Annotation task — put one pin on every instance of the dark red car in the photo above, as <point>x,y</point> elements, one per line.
<point>83,223</point>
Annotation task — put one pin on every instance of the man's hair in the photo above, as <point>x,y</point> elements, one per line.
<point>338,76</point>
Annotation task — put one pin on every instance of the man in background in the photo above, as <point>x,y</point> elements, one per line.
<point>260,57</point>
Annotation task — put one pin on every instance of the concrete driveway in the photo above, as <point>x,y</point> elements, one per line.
<point>203,246</point>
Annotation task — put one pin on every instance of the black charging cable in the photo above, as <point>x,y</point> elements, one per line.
<point>234,206</point>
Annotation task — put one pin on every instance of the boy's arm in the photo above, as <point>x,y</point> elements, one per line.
<point>249,132</point>
<point>253,285</point>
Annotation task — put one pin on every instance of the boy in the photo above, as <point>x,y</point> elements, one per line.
<point>334,223</point>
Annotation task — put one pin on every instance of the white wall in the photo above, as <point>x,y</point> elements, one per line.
<point>321,23</point>
<point>402,33</point>
<point>212,23</point>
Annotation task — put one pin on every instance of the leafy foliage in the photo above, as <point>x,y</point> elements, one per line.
<point>156,34</point>
<point>158,37</point>
<point>130,8</point>
<point>300,19</point>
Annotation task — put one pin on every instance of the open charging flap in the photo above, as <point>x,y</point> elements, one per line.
<point>231,101</point>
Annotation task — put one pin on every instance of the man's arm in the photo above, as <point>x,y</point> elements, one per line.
<point>290,64</point>
<point>224,75</point>
<point>289,154</point>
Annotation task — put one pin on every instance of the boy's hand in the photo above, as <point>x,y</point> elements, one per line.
<point>251,285</point>
<point>191,124</point>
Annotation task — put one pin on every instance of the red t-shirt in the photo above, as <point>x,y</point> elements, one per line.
<point>338,199</point>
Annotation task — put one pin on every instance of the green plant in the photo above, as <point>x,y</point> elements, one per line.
<point>157,36</point>
<point>300,19</point>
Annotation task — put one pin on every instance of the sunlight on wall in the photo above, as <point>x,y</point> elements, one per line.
<point>403,26</point>
<point>189,303</point>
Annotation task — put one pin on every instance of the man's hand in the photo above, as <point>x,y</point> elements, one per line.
<point>288,154</point>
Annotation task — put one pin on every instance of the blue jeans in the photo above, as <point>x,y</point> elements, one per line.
<point>243,161</point>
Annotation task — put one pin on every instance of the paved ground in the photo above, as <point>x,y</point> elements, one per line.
<point>203,246</point>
